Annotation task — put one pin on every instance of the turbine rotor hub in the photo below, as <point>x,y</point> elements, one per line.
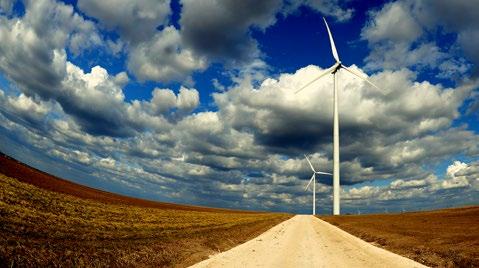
<point>337,67</point>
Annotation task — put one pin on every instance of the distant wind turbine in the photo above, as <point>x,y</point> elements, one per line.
<point>313,180</point>
<point>332,70</point>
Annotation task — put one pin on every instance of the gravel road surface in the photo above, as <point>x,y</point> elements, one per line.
<point>306,241</point>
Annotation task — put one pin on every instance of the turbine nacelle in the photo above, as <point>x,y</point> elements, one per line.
<point>337,66</point>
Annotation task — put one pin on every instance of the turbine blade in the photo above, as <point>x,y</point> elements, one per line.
<point>331,41</point>
<point>317,78</point>
<point>324,173</point>
<point>360,76</point>
<point>311,165</point>
<point>312,177</point>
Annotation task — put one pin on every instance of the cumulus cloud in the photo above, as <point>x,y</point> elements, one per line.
<point>163,58</point>
<point>24,109</point>
<point>107,163</point>
<point>188,99</point>
<point>403,33</point>
<point>164,102</point>
<point>6,6</point>
<point>221,29</point>
<point>328,8</point>
<point>94,101</point>
<point>382,131</point>
<point>72,156</point>
<point>128,16</point>
<point>34,57</point>
<point>210,31</point>
<point>253,144</point>
<point>459,182</point>
<point>460,174</point>
<point>153,55</point>
<point>25,53</point>
<point>248,150</point>
<point>393,23</point>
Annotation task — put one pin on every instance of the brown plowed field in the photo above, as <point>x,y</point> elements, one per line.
<point>439,238</point>
<point>50,222</point>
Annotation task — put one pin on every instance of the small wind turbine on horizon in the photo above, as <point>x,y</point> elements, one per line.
<point>313,180</point>
<point>333,70</point>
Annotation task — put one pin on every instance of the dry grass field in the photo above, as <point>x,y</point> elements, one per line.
<point>40,227</point>
<point>24,173</point>
<point>440,238</point>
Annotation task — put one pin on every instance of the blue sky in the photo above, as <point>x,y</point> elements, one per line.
<point>193,101</point>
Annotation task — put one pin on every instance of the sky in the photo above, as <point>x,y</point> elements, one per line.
<point>193,101</point>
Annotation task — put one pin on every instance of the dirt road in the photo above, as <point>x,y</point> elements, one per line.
<point>306,241</point>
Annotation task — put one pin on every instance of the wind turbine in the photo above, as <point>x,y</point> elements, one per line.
<point>333,70</point>
<point>313,179</point>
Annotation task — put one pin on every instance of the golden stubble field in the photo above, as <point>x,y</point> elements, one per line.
<point>439,238</point>
<point>44,228</point>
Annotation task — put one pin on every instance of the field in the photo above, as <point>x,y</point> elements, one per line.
<point>40,227</point>
<point>441,238</point>
<point>15,169</point>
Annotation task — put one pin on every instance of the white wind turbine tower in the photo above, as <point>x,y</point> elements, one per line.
<point>313,180</point>
<point>333,70</point>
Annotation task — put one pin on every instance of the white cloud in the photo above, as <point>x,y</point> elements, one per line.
<point>329,8</point>
<point>128,16</point>
<point>460,174</point>
<point>220,30</point>
<point>72,155</point>
<point>420,190</point>
<point>96,102</point>
<point>454,183</point>
<point>404,33</point>
<point>251,144</point>
<point>399,55</point>
<point>121,79</point>
<point>188,99</point>
<point>25,54</point>
<point>28,107</point>
<point>6,6</point>
<point>391,129</point>
<point>454,168</point>
<point>392,23</point>
<point>108,163</point>
<point>57,24</point>
<point>33,48</point>
<point>162,101</point>
<point>406,184</point>
<point>165,103</point>
<point>163,58</point>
